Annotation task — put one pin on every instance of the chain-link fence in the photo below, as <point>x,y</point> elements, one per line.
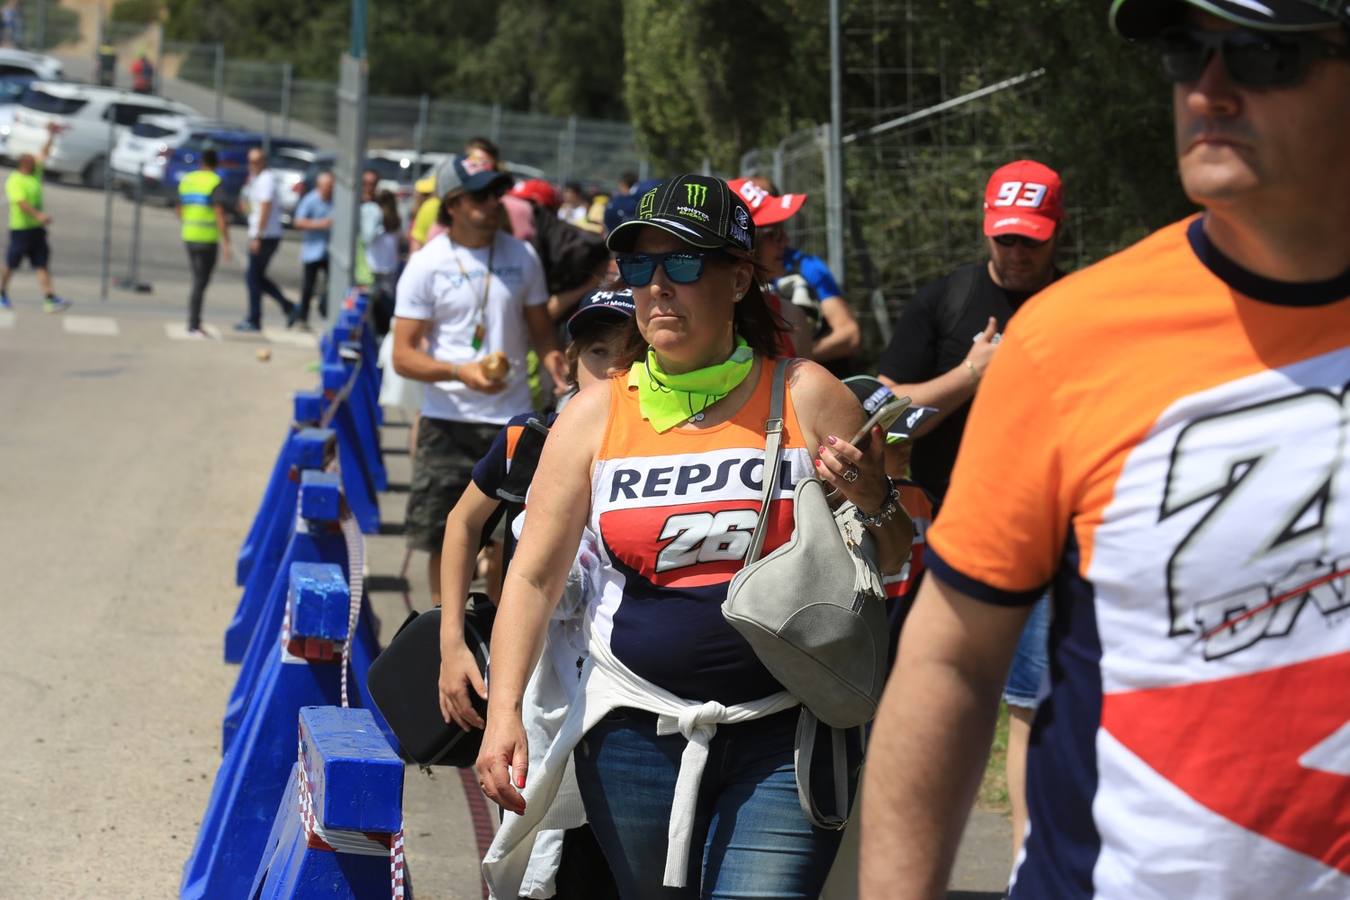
<point>266,96</point>
<point>913,195</point>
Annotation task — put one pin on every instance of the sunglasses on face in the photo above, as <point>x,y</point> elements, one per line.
<point>682,266</point>
<point>1253,59</point>
<point>1014,240</point>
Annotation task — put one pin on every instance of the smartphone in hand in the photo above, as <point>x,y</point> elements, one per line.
<point>884,417</point>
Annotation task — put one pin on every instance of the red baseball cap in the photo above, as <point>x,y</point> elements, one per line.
<point>1023,197</point>
<point>766,208</point>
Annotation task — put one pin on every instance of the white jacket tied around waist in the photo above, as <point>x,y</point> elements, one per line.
<point>606,685</point>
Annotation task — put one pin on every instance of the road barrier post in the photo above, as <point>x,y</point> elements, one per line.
<point>338,832</point>
<point>302,667</point>
<point>317,539</point>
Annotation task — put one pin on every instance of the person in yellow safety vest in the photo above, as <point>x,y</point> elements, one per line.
<point>205,232</point>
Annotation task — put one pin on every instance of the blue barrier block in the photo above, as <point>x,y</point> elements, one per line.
<point>308,598</point>
<point>303,450</point>
<point>338,830</point>
<point>298,669</point>
<point>308,407</point>
<point>353,454</point>
<point>365,400</point>
<point>312,541</point>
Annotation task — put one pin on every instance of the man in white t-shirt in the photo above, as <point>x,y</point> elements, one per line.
<point>475,298</point>
<point>264,236</point>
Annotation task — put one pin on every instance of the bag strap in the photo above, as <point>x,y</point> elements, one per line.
<point>807,727</point>
<point>773,456</point>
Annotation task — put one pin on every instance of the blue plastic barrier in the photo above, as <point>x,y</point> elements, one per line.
<point>303,450</point>
<point>363,399</point>
<point>302,668</point>
<point>338,829</point>
<point>355,454</point>
<point>316,539</point>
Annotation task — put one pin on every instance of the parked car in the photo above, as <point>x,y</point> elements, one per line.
<point>143,149</point>
<point>290,165</point>
<point>85,114</point>
<point>231,146</point>
<point>23,62</point>
<point>11,89</point>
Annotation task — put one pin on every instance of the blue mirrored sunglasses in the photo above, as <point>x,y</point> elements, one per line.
<point>682,266</point>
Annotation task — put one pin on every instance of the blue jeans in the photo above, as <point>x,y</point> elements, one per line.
<point>1031,660</point>
<point>750,836</point>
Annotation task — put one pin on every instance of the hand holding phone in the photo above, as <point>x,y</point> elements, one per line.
<point>884,417</point>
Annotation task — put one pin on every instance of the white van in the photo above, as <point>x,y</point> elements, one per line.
<point>85,115</point>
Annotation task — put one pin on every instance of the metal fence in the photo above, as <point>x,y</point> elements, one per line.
<point>913,195</point>
<point>565,148</point>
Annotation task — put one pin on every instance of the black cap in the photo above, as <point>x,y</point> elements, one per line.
<point>698,209</point>
<point>1146,18</point>
<point>599,305</point>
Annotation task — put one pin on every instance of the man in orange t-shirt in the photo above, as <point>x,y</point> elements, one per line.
<point>1163,440</point>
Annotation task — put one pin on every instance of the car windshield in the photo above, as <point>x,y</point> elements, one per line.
<point>41,101</point>
<point>391,169</point>
<point>11,90</point>
<point>146,130</point>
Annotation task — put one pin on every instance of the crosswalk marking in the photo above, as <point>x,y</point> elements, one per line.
<point>95,325</point>
<point>177,331</point>
<point>294,338</point>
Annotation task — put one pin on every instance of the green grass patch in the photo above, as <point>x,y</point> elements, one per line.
<point>994,788</point>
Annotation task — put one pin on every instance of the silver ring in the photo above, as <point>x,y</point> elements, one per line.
<point>851,474</point>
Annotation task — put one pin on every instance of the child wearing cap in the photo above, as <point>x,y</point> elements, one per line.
<point>603,339</point>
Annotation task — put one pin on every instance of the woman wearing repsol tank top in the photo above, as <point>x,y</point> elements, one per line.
<point>663,463</point>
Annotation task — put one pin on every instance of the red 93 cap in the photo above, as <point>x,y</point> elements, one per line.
<point>765,208</point>
<point>1023,197</point>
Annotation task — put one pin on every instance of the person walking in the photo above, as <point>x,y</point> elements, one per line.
<point>264,236</point>
<point>205,231</point>
<point>476,296</point>
<point>938,353</point>
<point>1161,436</point>
<point>314,219</point>
<point>28,226</point>
<point>380,226</point>
<point>695,405</point>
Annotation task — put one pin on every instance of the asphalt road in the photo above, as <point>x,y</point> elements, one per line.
<point>131,464</point>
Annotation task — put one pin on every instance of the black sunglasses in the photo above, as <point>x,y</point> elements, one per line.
<point>682,266</point>
<point>1253,59</point>
<point>1012,240</point>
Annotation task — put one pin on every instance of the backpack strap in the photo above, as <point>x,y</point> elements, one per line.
<point>956,299</point>
<point>773,456</point>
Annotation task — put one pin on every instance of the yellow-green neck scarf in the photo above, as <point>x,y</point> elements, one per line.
<point>667,400</point>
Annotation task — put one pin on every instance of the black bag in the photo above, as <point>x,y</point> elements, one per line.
<point>404,683</point>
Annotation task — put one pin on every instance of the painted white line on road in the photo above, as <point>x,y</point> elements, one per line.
<point>294,338</point>
<point>6,318</point>
<point>177,331</point>
<point>102,326</point>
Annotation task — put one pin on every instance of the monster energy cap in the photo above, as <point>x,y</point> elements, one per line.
<point>1146,18</point>
<point>698,209</point>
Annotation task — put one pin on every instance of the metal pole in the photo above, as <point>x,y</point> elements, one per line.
<point>834,157</point>
<point>220,82</point>
<point>157,82</point>
<point>285,99</point>
<point>41,42</point>
<point>132,282</point>
<point>267,132</point>
<point>420,134</point>
<point>107,215</point>
<point>495,129</point>
<point>572,146</point>
<point>644,169</point>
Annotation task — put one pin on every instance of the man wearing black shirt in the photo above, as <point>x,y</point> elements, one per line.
<point>945,339</point>
<point>950,330</point>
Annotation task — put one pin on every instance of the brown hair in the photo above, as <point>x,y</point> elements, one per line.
<point>607,329</point>
<point>753,318</point>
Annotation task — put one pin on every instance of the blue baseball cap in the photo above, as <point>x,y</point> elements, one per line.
<point>624,207</point>
<point>467,174</point>
<point>600,304</point>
